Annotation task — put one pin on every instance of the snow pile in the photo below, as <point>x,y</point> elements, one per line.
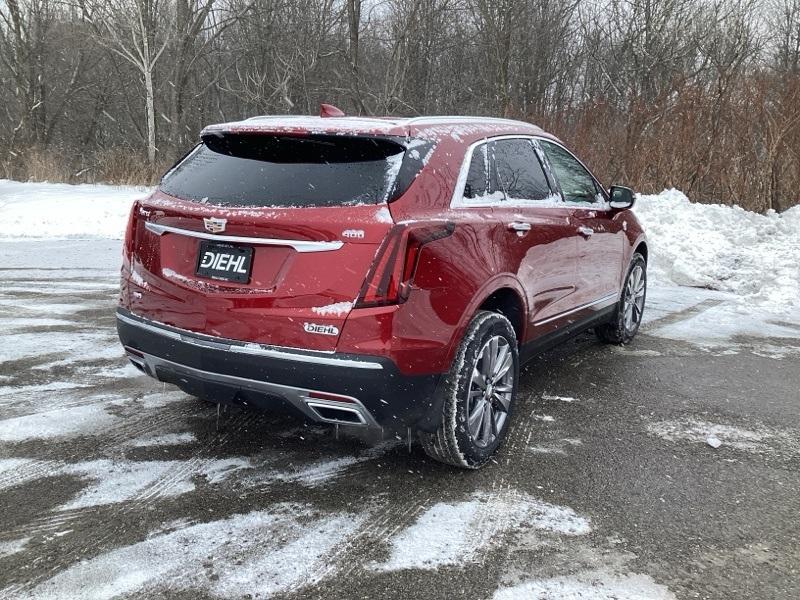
<point>756,257</point>
<point>59,210</point>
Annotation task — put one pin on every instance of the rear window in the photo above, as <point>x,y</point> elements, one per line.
<point>287,171</point>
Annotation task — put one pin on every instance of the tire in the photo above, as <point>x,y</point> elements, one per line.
<point>627,317</point>
<point>457,441</point>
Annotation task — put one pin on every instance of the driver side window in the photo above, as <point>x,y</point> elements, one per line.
<point>577,185</point>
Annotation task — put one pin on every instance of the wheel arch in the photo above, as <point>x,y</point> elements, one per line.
<point>641,248</point>
<point>503,294</point>
<point>508,303</point>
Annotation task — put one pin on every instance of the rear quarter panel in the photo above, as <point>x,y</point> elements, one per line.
<point>453,277</point>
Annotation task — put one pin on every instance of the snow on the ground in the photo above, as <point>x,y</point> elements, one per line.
<point>756,437</point>
<point>58,210</point>
<point>557,447</point>
<point>262,553</point>
<point>457,533</point>
<point>754,256</point>
<point>17,471</point>
<point>712,319</point>
<point>168,439</point>
<point>747,264</point>
<point>122,480</point>
<point>55,423</point>
<point>54,259</point>
<point>8,548</point>
<point>72,346</point>
<point>588,585</point>
<point>567,399</point>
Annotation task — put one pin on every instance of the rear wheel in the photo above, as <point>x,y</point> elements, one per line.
<point>478,394</point>
<point>628,315</point>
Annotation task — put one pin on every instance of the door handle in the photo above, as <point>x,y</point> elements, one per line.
<point>519,226</point>
<point>585,231</point>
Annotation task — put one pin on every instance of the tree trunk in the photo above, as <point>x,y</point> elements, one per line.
<point>151,116</point>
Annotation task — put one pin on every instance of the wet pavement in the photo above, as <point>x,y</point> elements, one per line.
<point>112,484</point>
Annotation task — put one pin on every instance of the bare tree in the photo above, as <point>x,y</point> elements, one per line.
<point>697,94</point>
<point>23,52</point>
<point>137,32</point>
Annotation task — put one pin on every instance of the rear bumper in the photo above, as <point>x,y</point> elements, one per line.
<point>356,390</point>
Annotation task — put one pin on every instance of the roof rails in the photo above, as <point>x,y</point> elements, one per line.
<point>457,119</point>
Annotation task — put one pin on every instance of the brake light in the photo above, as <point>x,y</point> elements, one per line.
<point>130,230</point>
<point>392,273</point>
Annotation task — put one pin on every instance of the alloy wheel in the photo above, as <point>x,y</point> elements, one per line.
<point>490,391</point>
<point>633,302</point>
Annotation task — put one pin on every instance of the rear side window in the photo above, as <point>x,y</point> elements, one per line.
<point>287,171</point>
<point>576,183</point>
<point>517,172</point>
<point>477,179</point>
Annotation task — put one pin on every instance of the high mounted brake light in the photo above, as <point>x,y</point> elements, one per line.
<point>392,272</point>
<point>329,110</point>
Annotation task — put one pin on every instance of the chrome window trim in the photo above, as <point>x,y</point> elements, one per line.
<point>457,200</point>
<point>298,245</point>
<point>282,353</point>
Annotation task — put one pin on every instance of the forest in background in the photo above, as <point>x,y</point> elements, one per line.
<point>701,95</point>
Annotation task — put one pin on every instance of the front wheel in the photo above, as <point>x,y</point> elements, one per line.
<point>478,394</point>
<point>628,315</point>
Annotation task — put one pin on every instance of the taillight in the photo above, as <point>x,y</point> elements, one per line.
<point>391,274</point>
<point>130,230</point>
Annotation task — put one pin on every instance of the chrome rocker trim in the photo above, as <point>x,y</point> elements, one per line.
<point>607,299</point>
<point>298,245</point>
<point>207,341</point>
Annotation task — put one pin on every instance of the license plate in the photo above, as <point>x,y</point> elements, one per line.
<point>224,261</point>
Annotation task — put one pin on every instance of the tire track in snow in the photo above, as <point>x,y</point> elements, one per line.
<point>137,505</point>
<point>681,315</point>
<point>46,525</point>
<point>374,535</point>
<point>29,470</point>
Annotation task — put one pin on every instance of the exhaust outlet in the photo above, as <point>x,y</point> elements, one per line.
<point>137,359</point>
<point>340,415</point>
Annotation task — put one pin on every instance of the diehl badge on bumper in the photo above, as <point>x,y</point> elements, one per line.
<point>321,329</point>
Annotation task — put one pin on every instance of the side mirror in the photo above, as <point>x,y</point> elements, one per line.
<point>621,197</point>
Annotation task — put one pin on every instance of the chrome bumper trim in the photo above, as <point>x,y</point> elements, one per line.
<point>298,245</point>
<point>298,397</point>
<point>206,341</point>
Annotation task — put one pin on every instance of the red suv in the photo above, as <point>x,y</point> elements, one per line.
<point>386,273</point>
